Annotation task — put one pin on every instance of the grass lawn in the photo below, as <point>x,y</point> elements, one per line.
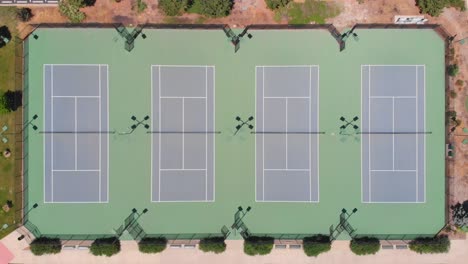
<point>311,11</point>
<point>7,165</point>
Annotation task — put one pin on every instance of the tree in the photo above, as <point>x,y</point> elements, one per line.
<point>435,7</point>
<point>212,244</point>
<point>365,246</point>
<point>71,9</point>
<point>152,244</point>
<point>460,214</point>
<point>24,14</point>
<point>44,245</point>
<point>439,244</point>
<point>5,36</point>
<point>275,4</point>
<point>453,70</point>
<point>315,245</point>
<point>215,8</point>
<point>172,7</point>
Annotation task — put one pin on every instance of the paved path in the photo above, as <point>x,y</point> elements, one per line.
<point>340,254</point>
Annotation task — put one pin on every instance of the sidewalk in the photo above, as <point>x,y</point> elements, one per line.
<point>339,254</point>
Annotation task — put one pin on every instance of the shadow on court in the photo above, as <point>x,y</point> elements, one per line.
<point>131,225</point>
<point>343,225</point>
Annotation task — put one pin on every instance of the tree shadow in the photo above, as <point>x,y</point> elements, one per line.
<point>13,100</point>
<point>5,36</point>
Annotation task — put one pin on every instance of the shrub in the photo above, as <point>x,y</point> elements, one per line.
<point>215,8</point>
<point>152,244</point>
<point>212,244</point>
<point>139,6</point>
<point>258,245</point>
<point>24,14</point>
<point>275,4</point>
<point>71,9</point>
<point>44,245</point>
<point>172,7</point>
<point>453,94</point>
<point>365,246</point>
<point>105,246</point>
<point>452,70</point>
<point>440,244</point>
<point>315,245</point>
<point>459,82</point>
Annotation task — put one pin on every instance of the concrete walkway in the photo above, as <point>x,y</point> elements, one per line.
<point>339,254</point>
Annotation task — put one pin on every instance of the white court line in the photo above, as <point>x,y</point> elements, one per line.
<point>100,135</point>
<point>206,134</point>
<point>396,170</point>
<point>77,170</point>
<point>152,135</point>
<point>82,65</point>
<point>286,66</point>
<point>286,134</point>
<point>369,136</point>
<point>391,97</point>
<point>393,131</point>
<point>286,97</point>
<point>362,142</point>
<point>256,136</point>
<point>309,116</point>
<point>393,65</point>
<point>316,136</point>
<point>263,135</point>
<point>417,136</point>
<point>107,136</point>
<point>424,136</point>
<point>287,170</point>
<point>76,134</point>
<point>44,125</point>
<point>212,136</point>
<point>52,127</point>
<point>76,96</point>
<point>183,134</point>
<point>182,66</point>
<point>183,169</point>
<point>160,128</point>
<point>183,97</point>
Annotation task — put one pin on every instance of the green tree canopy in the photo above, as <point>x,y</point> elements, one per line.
<point>44,245</point>
<point>172,7</point>
<point>212,244</point>
<point>71,9</point>
<point>365,245</point>
<point>422,245</point>
<point>275,4</point>
<point>215,8</point>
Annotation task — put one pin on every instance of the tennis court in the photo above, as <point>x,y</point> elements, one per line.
<point>154,130</point>
<point>75,150</point>
<point>287,133</point>
<point>183,133</point>
<point>393,125</point>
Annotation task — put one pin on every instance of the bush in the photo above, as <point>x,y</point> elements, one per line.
<point>105,246</point>
<point>452,70</point>
<point>453,94</point>
<point>212,244</point>
<point>139,6</point>
<point>215,8</point>
<point>152,244</point>
<point>459,82</point>
<point>71,9</point>
<point>44,245</point>
<point>315,245</point>
<point>172,7</point>
<point>275,4</point>
<point>365,246</point>
<point>5,36</point>
<point>440,244</point>
<point>258,245</point>
<point>24,14</point>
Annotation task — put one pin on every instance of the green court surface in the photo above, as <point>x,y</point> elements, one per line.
<point>340,156</point>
